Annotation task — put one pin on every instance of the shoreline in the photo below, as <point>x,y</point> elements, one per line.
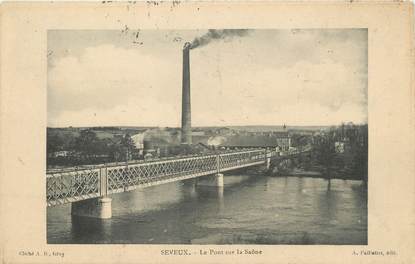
<point>314,174</point>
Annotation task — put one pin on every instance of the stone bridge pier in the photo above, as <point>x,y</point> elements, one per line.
<point>215,180</point>
<point>268,163</point>
<point>284,162</point>
<point>97,208</point>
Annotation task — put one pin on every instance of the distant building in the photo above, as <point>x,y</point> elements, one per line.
<point>224,131</point>
<point>303,132</point>
<point>62,153</point>
<point>283,140</point>
<point>138,140</point>
<point>198,133</point>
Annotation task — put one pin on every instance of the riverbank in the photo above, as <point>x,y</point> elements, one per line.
<point>299,172</point>
<point>305,173</point>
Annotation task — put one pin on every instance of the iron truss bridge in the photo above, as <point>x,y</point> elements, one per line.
<point>73,185</point>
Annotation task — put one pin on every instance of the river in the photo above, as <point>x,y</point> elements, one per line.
<point>248,210</point>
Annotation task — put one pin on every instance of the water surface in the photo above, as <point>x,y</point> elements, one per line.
<point>248,210</point>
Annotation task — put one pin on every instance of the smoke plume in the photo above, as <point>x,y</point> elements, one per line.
<point>215,34</point>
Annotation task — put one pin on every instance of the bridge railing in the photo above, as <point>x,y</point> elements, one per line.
<point>70,186</point>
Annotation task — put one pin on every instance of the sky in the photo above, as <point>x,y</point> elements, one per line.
<point>262,77</point>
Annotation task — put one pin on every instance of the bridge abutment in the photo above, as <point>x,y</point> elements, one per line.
<point>215,180</point>
<point>96,208</point>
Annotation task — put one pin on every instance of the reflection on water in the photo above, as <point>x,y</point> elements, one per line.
<point>248,210</point>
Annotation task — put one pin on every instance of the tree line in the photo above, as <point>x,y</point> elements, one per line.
<point>88,148</point>
<point>351,159</point>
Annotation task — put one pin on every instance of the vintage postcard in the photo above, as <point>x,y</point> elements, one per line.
<point>162,132</point>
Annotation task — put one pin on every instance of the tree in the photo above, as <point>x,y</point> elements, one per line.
<point>360,158</point>
<point>87,143</point>
<point>128,145</point>
<point>325,152</point>
<point>53,143</point>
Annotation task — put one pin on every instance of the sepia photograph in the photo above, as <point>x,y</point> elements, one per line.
<point>207,136</point>
<point>207,132</point>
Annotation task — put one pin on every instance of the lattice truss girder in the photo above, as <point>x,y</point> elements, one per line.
<point>64,185</point>
<point>122,177</point>
<point>72,184</point>
<point>238,159</point>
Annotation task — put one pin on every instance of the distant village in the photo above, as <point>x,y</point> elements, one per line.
<point>73,146</point>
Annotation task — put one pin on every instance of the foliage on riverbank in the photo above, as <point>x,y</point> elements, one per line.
<point>86,147</point>
<point>328,160</point>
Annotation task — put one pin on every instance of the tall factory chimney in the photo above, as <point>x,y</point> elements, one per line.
<point>186,112</point>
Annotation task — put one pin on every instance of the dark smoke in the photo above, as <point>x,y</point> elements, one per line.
<point>213,34</point>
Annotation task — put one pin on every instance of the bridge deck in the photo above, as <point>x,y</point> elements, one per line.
<point>75,185</point>
<point>71,185</point>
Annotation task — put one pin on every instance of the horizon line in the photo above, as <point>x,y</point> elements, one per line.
<point>154,126</point>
